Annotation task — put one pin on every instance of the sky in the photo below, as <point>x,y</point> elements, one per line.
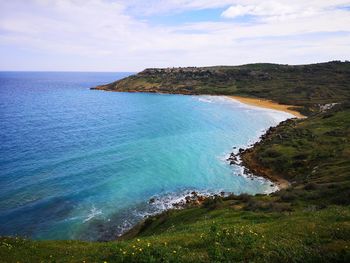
<point>130,35</point>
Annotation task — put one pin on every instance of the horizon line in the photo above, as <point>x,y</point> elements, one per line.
<point>222,65</point>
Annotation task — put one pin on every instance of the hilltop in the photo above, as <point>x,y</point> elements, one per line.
<point>305,86</point>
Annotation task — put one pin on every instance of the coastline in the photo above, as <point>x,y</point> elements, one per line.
<point>256,102</point>
<point>254,168</point>
<point>268,104</point>
<point>245,155</point>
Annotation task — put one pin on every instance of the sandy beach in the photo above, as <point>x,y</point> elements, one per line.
<point>268,104</point>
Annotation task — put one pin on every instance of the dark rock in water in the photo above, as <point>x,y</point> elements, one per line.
<point>194,193</point>
<point>232,159</point>
<point>272,185</point>
<point>234,147</point>
<point>222,193</point>
<point>181,204</point>
<point>241,150</point>
<point>152,200</point>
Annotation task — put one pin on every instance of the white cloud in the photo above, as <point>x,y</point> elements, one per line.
<point>107,35</point>
<point>262,9</point>
<point>280,9</point>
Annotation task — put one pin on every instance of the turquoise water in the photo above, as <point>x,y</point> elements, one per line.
<point>82,164</point>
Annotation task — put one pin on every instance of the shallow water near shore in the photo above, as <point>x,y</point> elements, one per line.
<point>82,164</point>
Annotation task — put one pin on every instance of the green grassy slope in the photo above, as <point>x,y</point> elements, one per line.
<point>308,222</point>
<point>314,152</point>
<point>209,235</point>
<point>303,85</point>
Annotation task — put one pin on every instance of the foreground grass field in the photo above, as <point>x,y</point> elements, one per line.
<point>227,233</point>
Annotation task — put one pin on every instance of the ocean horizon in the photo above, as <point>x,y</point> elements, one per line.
<point>83,164</point>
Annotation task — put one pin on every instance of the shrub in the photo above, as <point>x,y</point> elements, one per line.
<point>311,186</point>
<point>343,198</point>
<point>288,196</point>
<point>230,197</point>
<point>271,153</point>
<point>254,205</point>
<point>279,207</point>
<point>244,197</point>
<point>213,202</point>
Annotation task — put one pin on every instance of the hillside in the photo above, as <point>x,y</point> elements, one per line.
<point>305,86</point>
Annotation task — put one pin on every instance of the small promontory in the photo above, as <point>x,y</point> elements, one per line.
<point>305,86</point>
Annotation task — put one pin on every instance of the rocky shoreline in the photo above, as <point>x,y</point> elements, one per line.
<point>250,169</point>
<point>191,199</point>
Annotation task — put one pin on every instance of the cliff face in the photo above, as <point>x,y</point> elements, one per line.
<point>307,86</point>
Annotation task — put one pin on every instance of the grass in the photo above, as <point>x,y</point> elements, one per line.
<point>201,235</point>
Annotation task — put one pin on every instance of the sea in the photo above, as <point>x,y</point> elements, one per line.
<point>83,164</point>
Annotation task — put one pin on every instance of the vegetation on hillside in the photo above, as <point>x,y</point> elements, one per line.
<point>225,234</point>
<point>313,153</point>
<point>306,86</point>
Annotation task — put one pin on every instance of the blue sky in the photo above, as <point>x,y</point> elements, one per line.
<point>119,35</point>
